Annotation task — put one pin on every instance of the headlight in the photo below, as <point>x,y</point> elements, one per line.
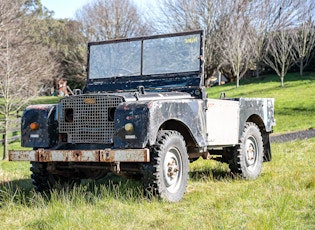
<point>129,127</point>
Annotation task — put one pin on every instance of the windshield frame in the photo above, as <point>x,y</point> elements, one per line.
<point>196,67</point>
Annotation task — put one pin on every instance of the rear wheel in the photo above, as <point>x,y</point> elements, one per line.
<point>167,174</point>
<point>248,156</point>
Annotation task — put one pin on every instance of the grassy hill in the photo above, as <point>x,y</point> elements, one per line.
<point>294,103</point>
<point>283,197</point>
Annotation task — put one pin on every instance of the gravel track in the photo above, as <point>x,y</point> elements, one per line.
<point>292,136</point>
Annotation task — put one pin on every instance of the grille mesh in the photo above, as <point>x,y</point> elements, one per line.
<point>91,121</point>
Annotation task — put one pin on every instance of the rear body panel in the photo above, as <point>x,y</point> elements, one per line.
<point>222,122</point>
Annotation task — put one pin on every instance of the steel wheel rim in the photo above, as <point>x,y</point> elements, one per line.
<point>172,169</point>
<point>251,151</point>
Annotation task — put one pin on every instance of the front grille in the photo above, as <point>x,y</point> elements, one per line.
<point>88,118</point>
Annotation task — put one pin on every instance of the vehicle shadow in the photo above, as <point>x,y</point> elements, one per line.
<point>211,174</point>
<point>23,184</point>
<point>22,190</point>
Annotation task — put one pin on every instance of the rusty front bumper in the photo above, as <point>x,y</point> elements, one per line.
<point>103,155</point>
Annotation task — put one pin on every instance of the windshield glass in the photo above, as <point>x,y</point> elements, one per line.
<point>171,55</point>
<point>115,59</point>
<point>149,56</point>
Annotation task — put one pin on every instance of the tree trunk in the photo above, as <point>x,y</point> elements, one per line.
<point>5,139</point>
<point>282,81</point>
<point>237,81</point>
<point>257,73</point>
<point>301,66</point>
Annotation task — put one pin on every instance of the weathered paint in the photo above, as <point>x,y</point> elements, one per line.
<point>68,155</point>
<point>148,116</point>
<point>106,155</point>
<point>46,135</point>
<point>188,112</point>
<point>260,107</point>
<point>125,155</point>
<point>23,155</point>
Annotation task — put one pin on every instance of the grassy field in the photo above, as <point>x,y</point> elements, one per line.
<point>294,103</point>
<point>283,197</point>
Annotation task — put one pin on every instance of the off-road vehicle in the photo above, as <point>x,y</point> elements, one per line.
<point>144,113</point>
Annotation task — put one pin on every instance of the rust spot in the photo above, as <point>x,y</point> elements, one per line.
<point>90,101</point>
<point>44,156</point>
<point>106,156</point>
<point>76,155</point>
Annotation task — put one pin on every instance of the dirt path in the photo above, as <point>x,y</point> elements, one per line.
<point>300,135</point>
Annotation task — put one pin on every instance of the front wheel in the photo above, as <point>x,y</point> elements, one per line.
<point>248,156</point>
<point>44,182</point>
<point>167,174</point>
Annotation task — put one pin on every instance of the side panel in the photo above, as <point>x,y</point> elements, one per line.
<point>222,122</point>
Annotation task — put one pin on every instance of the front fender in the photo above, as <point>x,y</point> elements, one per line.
<point>47,133</point>
<point>137,114</point>
<point>188,112</point>
<point>148,117</point>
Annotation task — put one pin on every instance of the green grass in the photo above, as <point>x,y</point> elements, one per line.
<point>283,197</point>
<point>294,103</point>
<point>45,100</point>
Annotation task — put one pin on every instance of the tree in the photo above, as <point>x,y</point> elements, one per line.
<point>236,30</point>
<point>280,55</point>
<point>23,63</point>
<point>110,19</point>
<point>65,42</point>
<point>266,19</point>
<point>303,43</point>
<point>68,48</point>
<point>226,24</point>
<point>71,53</point>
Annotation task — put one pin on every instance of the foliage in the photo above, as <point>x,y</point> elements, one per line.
<point>67,46</point>
<point>20,61</point>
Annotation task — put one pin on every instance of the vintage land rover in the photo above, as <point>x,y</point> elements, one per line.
<point>144,113</point>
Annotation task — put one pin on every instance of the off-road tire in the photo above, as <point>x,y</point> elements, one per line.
<point>167,174</point>
<point>44,182</point>
<point>247,158</point>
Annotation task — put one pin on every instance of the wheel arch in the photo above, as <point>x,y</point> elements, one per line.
<point>265,135</point>
<point>182,128</point>
<point>258,121</point>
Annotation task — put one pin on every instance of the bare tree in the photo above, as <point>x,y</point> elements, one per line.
<point>23,64</point>
<point>266,19</point>
<point>109,19</point>
<point>237,33</point>
<point>304,43</point>
<point>236,30</point>
<point>184,15</point>
<point>280,55</point>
